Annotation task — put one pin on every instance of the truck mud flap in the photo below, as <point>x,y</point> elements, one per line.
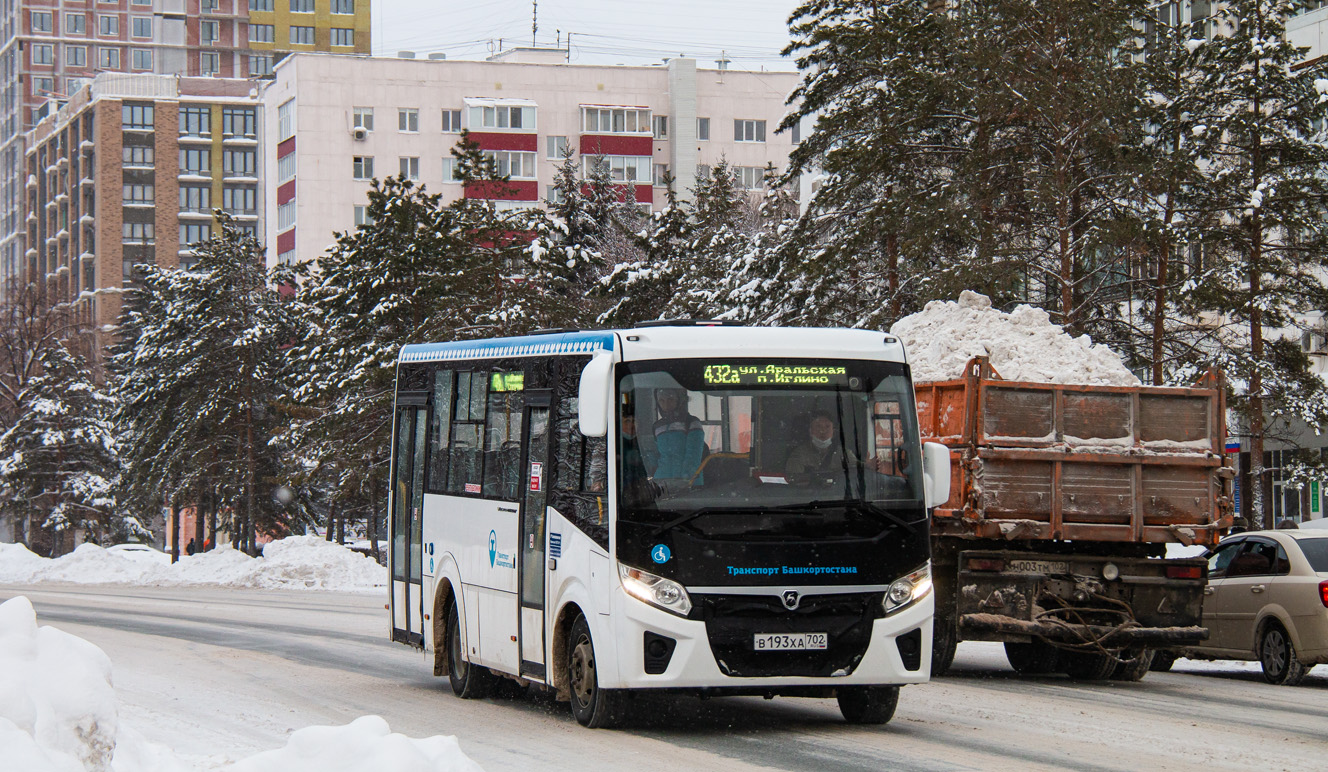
<point>1066,633</point>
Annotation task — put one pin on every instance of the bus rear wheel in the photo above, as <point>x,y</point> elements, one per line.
<point>868,704</point>
<point>592,706</point>
<point>469,682</point>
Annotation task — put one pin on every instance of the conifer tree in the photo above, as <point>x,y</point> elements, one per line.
<point>641,287</point>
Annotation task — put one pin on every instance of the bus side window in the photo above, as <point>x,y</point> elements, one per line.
<point>579,487</point>
<point>502,449</point>
<point>465,470</point>
<point>440,430</point>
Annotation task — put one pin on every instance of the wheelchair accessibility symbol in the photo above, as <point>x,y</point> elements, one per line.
<point>660,553</point>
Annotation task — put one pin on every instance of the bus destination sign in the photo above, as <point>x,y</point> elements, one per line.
<point>775,375</point>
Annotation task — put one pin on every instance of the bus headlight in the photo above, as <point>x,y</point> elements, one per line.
<point>655,590</point>
<point>907,590</point>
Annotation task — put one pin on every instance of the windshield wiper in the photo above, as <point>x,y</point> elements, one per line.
<point>708,511</point>
<point>881,515</point>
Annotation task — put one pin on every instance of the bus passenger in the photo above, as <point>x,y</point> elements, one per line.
<point>635,461</point>
<point>679,438</point>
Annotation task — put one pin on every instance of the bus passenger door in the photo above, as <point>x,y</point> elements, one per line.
<point>533,534</point>
<point>407,503</point>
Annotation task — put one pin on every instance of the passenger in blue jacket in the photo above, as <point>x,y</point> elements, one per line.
<point>679,438</point>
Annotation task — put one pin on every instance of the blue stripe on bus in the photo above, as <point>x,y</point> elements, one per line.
<point>525,346</point>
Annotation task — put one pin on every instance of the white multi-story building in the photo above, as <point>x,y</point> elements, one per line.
<point>336,122</point>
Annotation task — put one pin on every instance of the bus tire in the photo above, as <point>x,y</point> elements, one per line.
<point>469,682</point>
<point>868,704</point>
<point>592,706</point>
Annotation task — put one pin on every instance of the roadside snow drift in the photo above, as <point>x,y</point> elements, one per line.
<point>1023,345</point>
<point>293,563</point>
<point>58,713</point>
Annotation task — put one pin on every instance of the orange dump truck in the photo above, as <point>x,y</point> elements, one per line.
<point>1062,501</point>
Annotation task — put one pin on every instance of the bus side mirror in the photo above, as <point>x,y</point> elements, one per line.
<point>936,473</point>
<point>593,396</point>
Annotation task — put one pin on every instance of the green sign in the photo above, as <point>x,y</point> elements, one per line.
<point>1314,496</point>
<point>507,382</point>
<point>775,375</point>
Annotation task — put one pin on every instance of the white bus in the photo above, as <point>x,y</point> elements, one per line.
<point>695,507</point>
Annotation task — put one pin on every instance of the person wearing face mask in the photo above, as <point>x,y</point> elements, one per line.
<point>819,453</point>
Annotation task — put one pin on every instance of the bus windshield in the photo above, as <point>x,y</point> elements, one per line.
<point>767,449</point>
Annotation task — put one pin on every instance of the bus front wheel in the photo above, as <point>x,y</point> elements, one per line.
<point>593,707</point>
<point>868,704</point>
<point>469,682</point>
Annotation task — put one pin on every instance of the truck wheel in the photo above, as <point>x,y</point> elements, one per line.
<point>1087,666</point>
<point>1134,665</point>
<point>593,707</point>
<point>1162,660</point>
<point>1278,657</point>
<point>868,704</point>
<point>944,643</point>
<point>1033,658</point>
<point>469,682</point>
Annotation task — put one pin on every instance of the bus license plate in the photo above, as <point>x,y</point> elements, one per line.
<point>1038,566</point>
<point>789,641</point>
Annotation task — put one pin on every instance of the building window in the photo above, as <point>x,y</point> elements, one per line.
<point>622,168</point>
<point>362,166</point>
<point>512,163</point>
<point>661,125</point>
<point>302,6</point>
<point>196,161</point>
<point>108,25</point>
<point>209,63</point>
<point>748,131</point>
<point>661,171</point>
<point>140,2</point>
<point>451,170</point>
<point>286,119</point>
<point>261,5</point>
<point>502,117</point>
<point>109,58</point>
<point>451,121</point>
<point>750,177</point>
<point>615,120</point>
<point>196,198</point>
<point>139,233</point>
<point>136,116</point>
<point>362,118</point>
<point>702,171</point>
<point>262,33</point>
<point>195,121</point>
<point>410,167</point>
<point>408,119</point>
<point>554,194</point>
<point>343,6</point>
<point>209,31</point>
<point>260,64</point>
<point>41,21</point>
<point>76,56</point>
<point>209,6</point>
<point>76,24</point>
<point>43,86</point>
<point>43,53</point>
<point>287,257</point>
<point>703,129</point>
<point>142,27</point>
<point>797,132</point>
<point>193,233</point>
<point>302,36</point>
<point>555,147</point>
<point>286,166</point>
<point>139,195</point>
<point>343,37</point>
<point>142,59</point>
<point>286,215</point>
<point>362,215</point>
<point>239,122</point>
<point>238,163</point>
<point>139,157</point>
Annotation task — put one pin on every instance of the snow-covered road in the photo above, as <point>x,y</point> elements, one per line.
<point>220,673</point>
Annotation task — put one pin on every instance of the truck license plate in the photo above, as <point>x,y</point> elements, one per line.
<point>1038,566</point>
<point>789,641</point>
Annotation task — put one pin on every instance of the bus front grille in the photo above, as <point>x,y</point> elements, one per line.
<point>733,621</point>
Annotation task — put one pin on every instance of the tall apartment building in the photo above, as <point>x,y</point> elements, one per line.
<point>336,122</point>
<point>49,49</point>
<point>129,171</point>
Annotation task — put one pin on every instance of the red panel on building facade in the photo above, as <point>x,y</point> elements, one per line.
<point>493,140</point>
<point>645,194</point>
<point>285,241</point>
<point>612,144</point>
<point>516,190</point>
<point>286,147</point>
<point>285,193</point>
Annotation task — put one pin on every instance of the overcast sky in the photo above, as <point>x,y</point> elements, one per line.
<point>752,32</point>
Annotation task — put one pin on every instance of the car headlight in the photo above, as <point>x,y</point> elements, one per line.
<point>907,590</point>
<point>655,590</point>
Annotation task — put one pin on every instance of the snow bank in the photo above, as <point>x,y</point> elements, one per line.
<point>296,562</point>
<point>58,713</point>
<point>1023,345</point>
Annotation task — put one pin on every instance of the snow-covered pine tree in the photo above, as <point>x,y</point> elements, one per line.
<point>758,291</point>
<point>718,241</point>
<point>58,461</point>
<point>640,287</point>
<point>1272,184</point>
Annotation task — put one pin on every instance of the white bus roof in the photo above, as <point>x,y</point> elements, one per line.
<point>675,342</point>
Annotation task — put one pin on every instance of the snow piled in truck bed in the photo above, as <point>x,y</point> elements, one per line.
<point>293,563</point>
<point>1023,345</point>
<point>58,713</point>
